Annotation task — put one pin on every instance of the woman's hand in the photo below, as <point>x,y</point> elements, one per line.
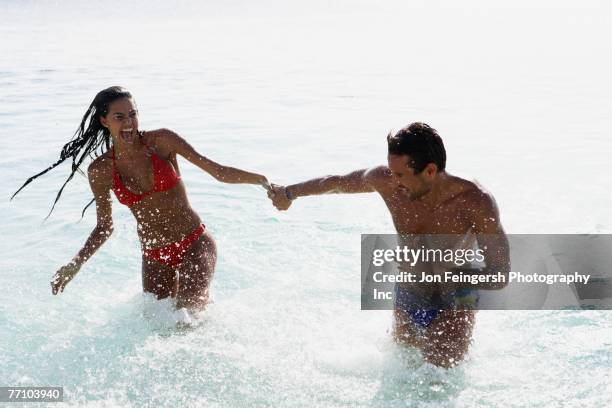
<point>265,183</point>
<point>63,276</point>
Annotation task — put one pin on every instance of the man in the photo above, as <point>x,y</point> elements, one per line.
<point>424,199</point>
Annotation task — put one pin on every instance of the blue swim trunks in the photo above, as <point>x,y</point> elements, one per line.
<point>424,309</point>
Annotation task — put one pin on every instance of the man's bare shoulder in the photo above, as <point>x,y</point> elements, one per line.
<point>379,177</point>
<point>483,210</point>
<point>476,196</point>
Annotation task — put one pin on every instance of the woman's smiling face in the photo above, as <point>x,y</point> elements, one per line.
<point>122,120</point>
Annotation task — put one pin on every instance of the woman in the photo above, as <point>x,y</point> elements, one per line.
<point>141,168</point>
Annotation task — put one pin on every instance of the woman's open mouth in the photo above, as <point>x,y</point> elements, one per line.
<point>128,135</point>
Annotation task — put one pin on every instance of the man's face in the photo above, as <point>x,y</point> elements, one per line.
<point>416,185</point>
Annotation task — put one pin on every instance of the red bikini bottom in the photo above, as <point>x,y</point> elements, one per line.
<point>173,254</point>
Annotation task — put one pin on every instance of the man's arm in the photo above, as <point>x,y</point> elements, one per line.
<point>358,181</point>
<point>492,241</point>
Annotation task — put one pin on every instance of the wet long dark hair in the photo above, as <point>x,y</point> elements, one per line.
<point>89,138</point>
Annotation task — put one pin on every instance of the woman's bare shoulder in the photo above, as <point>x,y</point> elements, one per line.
<point>152,136</point>
<point>161,140</point>
<point>100,170</point>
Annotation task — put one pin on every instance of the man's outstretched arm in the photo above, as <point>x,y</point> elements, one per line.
<point>358,181</point>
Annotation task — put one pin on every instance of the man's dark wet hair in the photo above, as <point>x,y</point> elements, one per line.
<point>421,143</point>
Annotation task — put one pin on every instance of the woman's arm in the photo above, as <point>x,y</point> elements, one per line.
<point>100,187</point>
<point>225,174</point>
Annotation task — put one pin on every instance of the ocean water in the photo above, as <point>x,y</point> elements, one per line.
<point>294,90</point>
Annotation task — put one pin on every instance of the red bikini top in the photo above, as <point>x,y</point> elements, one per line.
<point>164,178</point>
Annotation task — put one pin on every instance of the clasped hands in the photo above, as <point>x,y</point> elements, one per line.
<point>279,197</point>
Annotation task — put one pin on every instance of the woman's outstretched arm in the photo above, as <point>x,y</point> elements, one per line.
<point>225,174</point>
<point>99,181</point>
